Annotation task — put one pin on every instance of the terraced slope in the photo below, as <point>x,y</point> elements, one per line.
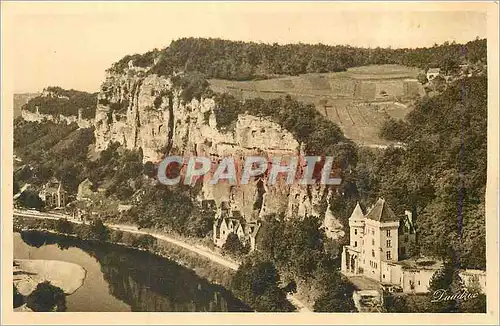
<point>358,100</point>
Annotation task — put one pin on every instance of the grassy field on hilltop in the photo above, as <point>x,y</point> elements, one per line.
<point>359,100</point>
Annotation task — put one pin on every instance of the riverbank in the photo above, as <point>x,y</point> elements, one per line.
<point>141,241</point>
<point>211,266</point>
<point>29,273</point>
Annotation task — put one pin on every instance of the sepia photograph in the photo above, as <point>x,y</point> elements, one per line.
<point>312,161</point>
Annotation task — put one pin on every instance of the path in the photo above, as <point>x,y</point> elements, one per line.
<point>132,229</point>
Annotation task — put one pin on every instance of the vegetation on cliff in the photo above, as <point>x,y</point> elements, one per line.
<point>306,259</point>
<point>49,150</point>
<point>58,101</point>
<point>234,60</point>
<point>319,135</point>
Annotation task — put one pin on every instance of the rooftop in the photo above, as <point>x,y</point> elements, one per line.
<point>357,214</point>
<point>420,263</point>
<point>381,212</point>
<point>434,70</point>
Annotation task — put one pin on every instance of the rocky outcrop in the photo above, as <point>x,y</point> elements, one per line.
<point>39,117</point>
<point>147,112</point>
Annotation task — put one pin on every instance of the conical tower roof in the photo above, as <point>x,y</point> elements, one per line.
<point>357,214</point>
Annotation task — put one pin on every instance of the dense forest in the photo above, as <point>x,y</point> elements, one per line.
<point>440,174</point>
<point>65,102</point>
<point>233,60</point>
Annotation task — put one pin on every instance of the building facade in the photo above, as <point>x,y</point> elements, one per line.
<point>229,221</point>
<point>53,194</point>
<point>381,248</point>
<point>433,73</point>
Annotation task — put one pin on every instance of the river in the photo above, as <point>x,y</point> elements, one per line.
<point>124,279</point>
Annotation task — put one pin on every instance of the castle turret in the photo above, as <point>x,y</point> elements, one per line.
<point>356,226</point>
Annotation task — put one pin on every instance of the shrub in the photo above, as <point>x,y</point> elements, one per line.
<point>46,297</point>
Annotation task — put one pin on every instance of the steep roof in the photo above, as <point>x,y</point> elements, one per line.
<point>357,214</point>
<point>382,212</point>
<point>406,221</point>
<point>434,70</point>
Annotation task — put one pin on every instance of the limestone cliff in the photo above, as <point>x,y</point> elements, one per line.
<point>147,112</point>
<point>67,119</point>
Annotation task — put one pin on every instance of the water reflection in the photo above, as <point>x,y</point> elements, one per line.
<point>143,281</point>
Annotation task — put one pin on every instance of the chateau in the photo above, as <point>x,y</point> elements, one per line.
<point>381,246</point>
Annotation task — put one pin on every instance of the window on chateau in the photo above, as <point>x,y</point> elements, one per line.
<point>388,232</point>
<point>388,255</point>
<point>373,253</point>
<point>373,242</point>
<point>406,238</point>
<point>355,243</point>
<point>355,231</point>
<point>373,231</point>
<point>388,243</point>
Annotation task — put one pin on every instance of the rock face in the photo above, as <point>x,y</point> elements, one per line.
<point>147,112</point>
<point>39,117</point>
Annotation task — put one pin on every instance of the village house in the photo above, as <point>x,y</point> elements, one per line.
<point>231,221</point>
<point>433,73</point>
<point>53,194</point>
<point>382,248</point>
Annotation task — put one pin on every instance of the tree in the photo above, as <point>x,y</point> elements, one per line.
<point>233,244</point>
<point>64,226</point>
<point>306,245</point>
<point>393,129</point>
<point>337,296</point>
<point>18,298</point>
<point>46,297</point>
<point>422,78</point>
<point>395,303</point>
<point>144,241</point>
<point>149,169</point>
<point>31,199</point>
<point>474,305</point>
<point>446,279</point>
<point>99,231</point>
<point>116,236</point>
<point>438,84</point>
<point>256,283</point>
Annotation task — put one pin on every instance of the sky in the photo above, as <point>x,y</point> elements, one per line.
<point>71,44</point>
